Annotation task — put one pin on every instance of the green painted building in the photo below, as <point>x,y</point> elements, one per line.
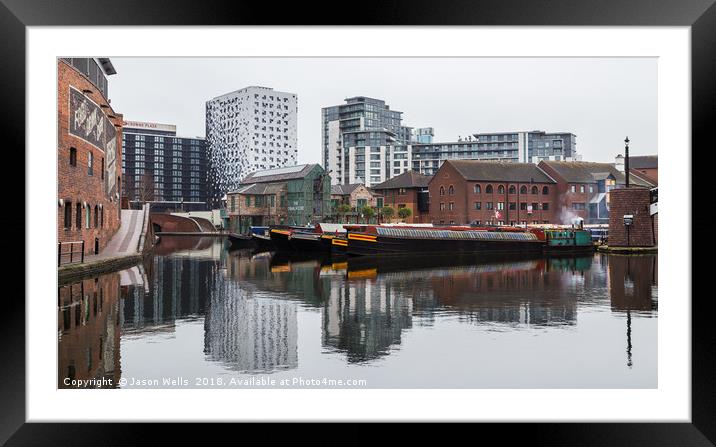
<point>292,195</point>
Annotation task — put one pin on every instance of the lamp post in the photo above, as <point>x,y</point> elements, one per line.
<point>626,160</point>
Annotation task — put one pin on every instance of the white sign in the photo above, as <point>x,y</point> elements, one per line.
<point>529,209</point>
<point>150,126</point>
<point>653,209</point>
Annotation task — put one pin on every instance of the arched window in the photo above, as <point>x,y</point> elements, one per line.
<point>500,189</point>
<point>478,189</point>
<point>523,189</point>
<point>488,190</point>
<point>78,216</point>
<point>535,190</point>
<point>96,216</point>
<point>512,189</point>
<point>442,190</point>
<point>451,190</point>
<point>545,190</point>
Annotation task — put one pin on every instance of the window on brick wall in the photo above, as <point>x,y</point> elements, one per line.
<point>535,190</point>
<point>88,211</point>
<point>73,156</point>
<point>523,206</point>
<point>513,205</point>
<point>102,171</point>
<point>581,189</point>
<point>90,170</point>
<point>512,189</point>
<point>489,205</point>
<point>500,189</point>
<point>488,190</point>
<point>68,215</point>
<point>523,189</point>
<point>96,216</point>
<point>545,190</point>
<point>545,206</point>
<point>78,216</point>
<point>478,205</point>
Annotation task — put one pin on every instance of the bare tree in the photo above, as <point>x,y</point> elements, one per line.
<point>145,189</point>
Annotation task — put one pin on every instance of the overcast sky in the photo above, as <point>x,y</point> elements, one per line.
<point>601,100</point>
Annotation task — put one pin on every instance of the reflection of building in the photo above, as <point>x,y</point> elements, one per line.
<point>175,291</point>
<point>247,333</point>
<point>88,154</point>
<point>249,130</point>
<point>365,319</point>
<point>631,282</point>
<point>89,332</point>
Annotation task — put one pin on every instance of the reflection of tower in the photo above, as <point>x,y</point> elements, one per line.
<point>250,333</point>
<point>630,288</point>
<point>365,319</point>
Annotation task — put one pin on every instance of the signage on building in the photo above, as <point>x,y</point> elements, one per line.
<point>88,122</point>
<point>295,208</point>
<point>529,209</point>
<point>653,201</point>
<point>150,126</point>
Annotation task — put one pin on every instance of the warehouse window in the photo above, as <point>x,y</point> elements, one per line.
<point>488,190</point>
<point>545,190</point>
<point>478,189</point>
<point>90,170</point>
<point>536,191</point>
<point>73,156</point>
<point>78,216</point>
<point>523,189</point>
<point>68,215</point>
<point>513,190</point>
<point>451,190</point>
<point>500,189</point>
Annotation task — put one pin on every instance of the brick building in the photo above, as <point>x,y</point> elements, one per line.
<point>89,155</point>
<point>644,166</point>
<point>583,189</point>
<point>643,229</point>
<point>356,195</point>
<point>492,193</point>
<point>407,190</point>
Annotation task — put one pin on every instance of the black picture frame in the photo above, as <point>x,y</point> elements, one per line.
<point>700,15</point>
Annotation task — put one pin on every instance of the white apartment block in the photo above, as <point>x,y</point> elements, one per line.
<point>249,130</point>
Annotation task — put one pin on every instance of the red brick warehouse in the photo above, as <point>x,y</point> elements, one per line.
<point>492,193</point>
<point>89,153</point>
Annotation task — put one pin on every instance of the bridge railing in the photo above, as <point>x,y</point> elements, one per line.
<point>70,254</point>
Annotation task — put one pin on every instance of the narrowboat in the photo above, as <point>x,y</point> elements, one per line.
<point>263,243</point>
<point>239,241</point>
<point>279,237</point>
<point>381,240</point>
<point>567,241</point>
<point>306,242</point>
<point>339,245</point>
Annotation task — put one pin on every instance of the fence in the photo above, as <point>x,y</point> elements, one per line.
<point>64,255</point>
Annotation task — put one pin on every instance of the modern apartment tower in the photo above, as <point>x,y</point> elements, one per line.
<point>248,130</point>
<point>524,147</point>
<point>159,166</point>
<point>355,130</point>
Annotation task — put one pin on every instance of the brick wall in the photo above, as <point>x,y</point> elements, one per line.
<point>633,201</point>
<point>75,185</point>
<point>464,197</point>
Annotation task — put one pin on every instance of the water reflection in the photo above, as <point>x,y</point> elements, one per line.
<point>252,305</point>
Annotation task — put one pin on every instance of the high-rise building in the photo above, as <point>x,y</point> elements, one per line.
<point>355,129</point>
<point>159,166</point>
<point>248,130</point>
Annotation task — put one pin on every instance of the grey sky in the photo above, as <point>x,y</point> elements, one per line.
<point>601,100</point>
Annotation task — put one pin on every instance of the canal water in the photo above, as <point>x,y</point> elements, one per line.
<point>198,315</point>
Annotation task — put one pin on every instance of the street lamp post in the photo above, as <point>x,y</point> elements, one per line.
<point>626,160</point>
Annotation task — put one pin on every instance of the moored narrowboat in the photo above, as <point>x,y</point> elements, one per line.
<point>306,242</point>
<point>279,237</point>
<point>380,240</point>
<point>263,243</point>
<point>239,241</point>
<point>567,241</point>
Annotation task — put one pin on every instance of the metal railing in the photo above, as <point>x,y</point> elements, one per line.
<point>62,256</point>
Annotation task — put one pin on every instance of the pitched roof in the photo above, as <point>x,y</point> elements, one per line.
<point>590,172</point>
<point>643,161</point>
<point>279,174</point>
<point>408,179</point>
<point>344,190</point>
<point>500,171</point>
<point>258,189</point>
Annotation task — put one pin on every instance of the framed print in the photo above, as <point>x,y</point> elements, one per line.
<point>428,214</point>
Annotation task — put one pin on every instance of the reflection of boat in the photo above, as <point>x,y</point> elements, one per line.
<point>404,262</point>
<point>262,242</point>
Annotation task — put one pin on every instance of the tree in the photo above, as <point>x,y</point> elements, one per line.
<point>343,209</point>
<point>145,189</point>
<point>387,212</point>
<point>367,212</point>
<point>404,213</point>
